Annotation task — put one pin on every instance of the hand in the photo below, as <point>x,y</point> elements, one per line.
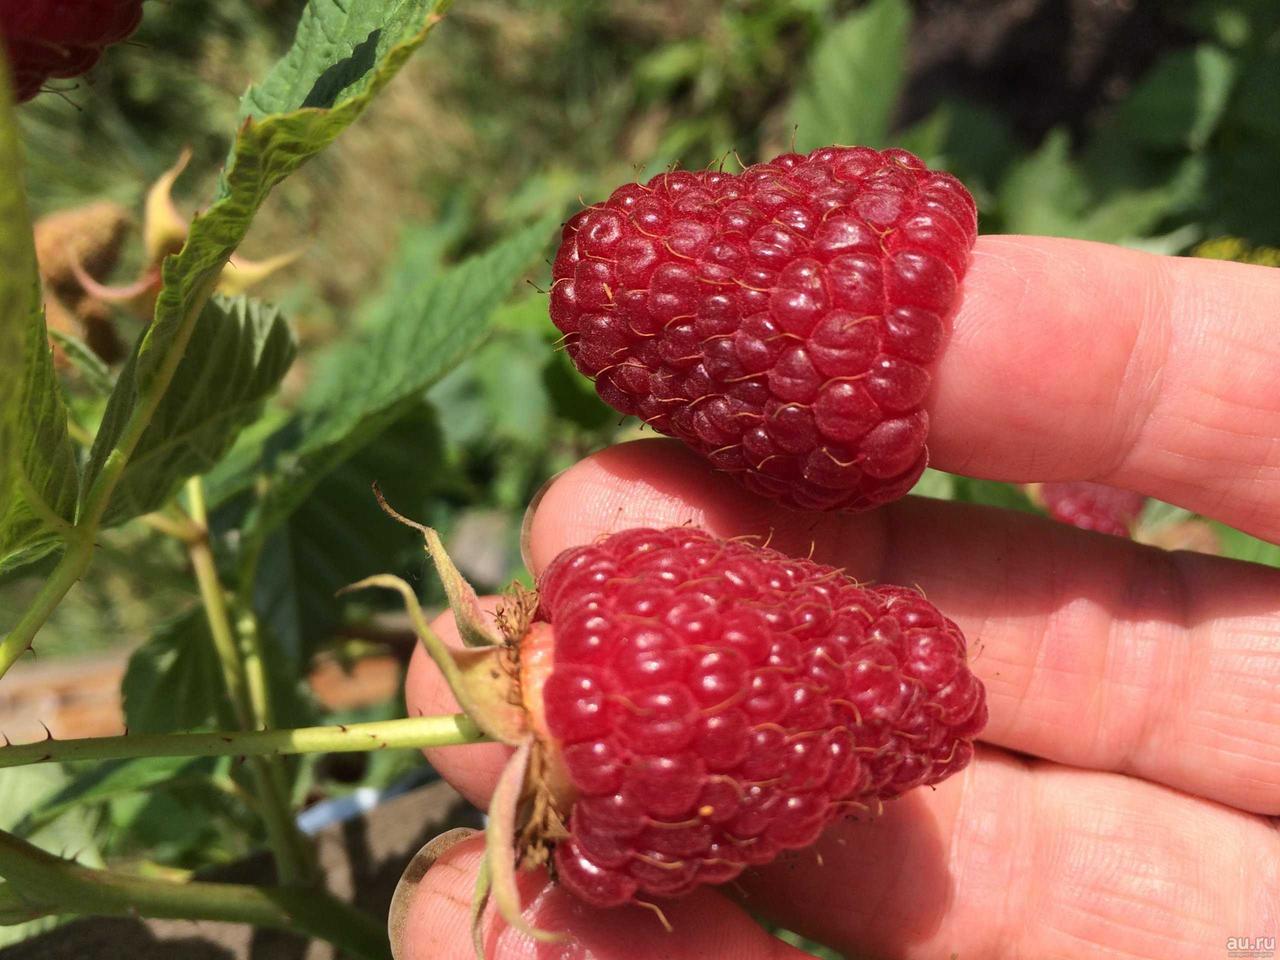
<point>1125,801</point>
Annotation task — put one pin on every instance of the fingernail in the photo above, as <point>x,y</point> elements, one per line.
<point>526,525</point>
<point>407,888</point>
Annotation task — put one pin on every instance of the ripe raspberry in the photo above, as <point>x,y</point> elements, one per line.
<point>1093,506</point>
<point>48,39</point>
<point>781,321</point>
<point>708,704</point>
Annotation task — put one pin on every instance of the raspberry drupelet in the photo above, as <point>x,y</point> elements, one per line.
<point>782,321</point>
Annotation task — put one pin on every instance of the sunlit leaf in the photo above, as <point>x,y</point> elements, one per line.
<point>38,474</point>
<point>854,78</point>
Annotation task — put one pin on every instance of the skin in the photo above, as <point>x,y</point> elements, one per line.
<point>1125,801</point>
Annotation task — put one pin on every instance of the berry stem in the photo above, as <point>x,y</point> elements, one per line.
<point>246,687</point>
<point>70,568</point>
<point>414,733</point>
<point>40,884</point>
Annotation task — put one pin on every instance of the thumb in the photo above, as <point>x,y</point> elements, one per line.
<point>704,925</point>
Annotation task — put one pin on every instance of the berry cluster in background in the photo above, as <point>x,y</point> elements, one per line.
<point>60,39</point>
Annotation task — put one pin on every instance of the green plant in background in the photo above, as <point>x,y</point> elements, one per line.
<point>211,493</point>
<point>197,376</point>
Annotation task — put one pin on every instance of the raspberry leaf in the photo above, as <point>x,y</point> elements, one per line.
<point>340,58</point>
<point>855,76</point>
<point>38,474</point>
<point>359,391</point>
<point>238,353</point>
<point>173,681</point>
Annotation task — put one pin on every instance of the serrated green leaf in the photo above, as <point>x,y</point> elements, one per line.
<point>1180,101</point>
<point>38,475</point>
<point>360,388</point>
<point>343,54</point>
<point>855,76</point>
<point>239,351</point>
<point>174,683</point>
<point>497,397</point>
<point>337,53</point>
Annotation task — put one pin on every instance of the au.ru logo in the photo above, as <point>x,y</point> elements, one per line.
<point>1251,948</point>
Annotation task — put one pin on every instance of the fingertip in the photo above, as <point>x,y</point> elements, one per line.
<point>703,924</point>
<point>436,922</point>
<point>655,483</point>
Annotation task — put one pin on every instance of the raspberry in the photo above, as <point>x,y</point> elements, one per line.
<point>782,321</point>
<point>709,704</point>
<point>1092,506</point>
<point>684,707</point>
<point>61,38</point>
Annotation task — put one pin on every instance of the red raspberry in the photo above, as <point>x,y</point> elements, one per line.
<point>781,321</point>
<point>61,38</point>
<point>1093,506</point>
<point>708,704</point>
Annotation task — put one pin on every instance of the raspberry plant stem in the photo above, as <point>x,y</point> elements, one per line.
<point>295,858</point>
<point>414,733</point>
<point>70,568</point>
<point>44,884</point>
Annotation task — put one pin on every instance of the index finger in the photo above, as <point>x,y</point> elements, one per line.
<point>1082,361</point>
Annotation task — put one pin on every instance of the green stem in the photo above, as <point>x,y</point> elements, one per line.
<point>70,568</point>
<point>255,670</point>
<point>414,733</point>
<point>48,885</point>
<point>294,856</point>
<point>215,608</point>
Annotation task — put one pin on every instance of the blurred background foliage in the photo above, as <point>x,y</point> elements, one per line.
<point>1150,124</point>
